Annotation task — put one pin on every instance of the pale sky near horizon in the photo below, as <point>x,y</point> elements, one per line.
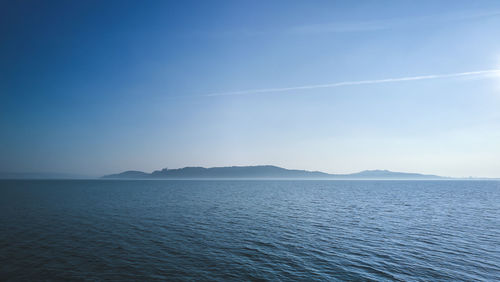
<point>93,87</point>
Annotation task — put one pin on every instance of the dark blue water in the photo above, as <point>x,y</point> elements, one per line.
<point>248,230</point>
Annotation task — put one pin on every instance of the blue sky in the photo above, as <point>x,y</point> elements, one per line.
<point>95,87</point>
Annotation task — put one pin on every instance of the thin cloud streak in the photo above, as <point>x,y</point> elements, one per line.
<point>384,24</point>
<point>358,82</point>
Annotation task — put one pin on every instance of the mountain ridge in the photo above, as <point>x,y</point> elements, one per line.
<point>263,171</point>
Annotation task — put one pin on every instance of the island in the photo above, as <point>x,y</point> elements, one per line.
<point>265,172</point>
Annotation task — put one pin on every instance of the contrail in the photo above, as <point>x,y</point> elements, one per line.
<point>358,82</point>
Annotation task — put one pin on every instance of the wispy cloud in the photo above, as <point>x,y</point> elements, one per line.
<point>383,24</point>
<point>338,27</point>
<point>481,73</point>
<point>351,26</point>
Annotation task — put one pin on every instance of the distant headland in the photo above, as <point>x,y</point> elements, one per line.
<point>265,172</point>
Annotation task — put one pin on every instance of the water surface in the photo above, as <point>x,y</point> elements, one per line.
<point>249,230</point>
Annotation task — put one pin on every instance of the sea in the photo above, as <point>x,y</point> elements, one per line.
<point>257,230</point>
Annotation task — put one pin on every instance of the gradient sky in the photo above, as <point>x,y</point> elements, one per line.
<point>97,87</point>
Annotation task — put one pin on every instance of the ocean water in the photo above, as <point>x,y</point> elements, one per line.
<point>249,230</point>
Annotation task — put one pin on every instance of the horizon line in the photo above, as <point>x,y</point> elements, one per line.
<point>4,175</point>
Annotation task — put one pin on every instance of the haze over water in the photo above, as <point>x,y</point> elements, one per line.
<point>249,230</point>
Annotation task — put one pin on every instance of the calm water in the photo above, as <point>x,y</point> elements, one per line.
<point>249,230</point>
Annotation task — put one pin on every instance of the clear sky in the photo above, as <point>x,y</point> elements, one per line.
<point>96,87</point>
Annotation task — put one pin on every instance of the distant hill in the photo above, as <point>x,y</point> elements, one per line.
<point>263,171</point>
<point>129,174</point>
<point>382,174</point>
